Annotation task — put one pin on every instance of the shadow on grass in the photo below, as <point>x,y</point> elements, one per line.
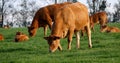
<point>13,50</point>
<point>26,51</point>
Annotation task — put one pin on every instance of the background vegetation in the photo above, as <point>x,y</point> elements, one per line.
<point>106,48</point>
<point>19,13</point>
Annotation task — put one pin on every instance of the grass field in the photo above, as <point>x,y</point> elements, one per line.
<point>106,48</point>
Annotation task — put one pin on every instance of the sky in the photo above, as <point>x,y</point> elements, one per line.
<point>110,9</point>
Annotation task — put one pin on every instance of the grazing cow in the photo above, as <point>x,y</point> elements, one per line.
<point>100,17</point>
<point>21,37</point>
<point>44,18</point>
<point>1,37</point>
<point>109,29</point>
<point>69,20</point>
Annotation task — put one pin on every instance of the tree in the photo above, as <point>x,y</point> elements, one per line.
<point>19,12</point>
<point>55,1</point>
<point>24,12</point>
<point>102,6</point>
<point>96,5</point>
<point>5,7</point>
<point>2,11</point>
<point>28,10</point>
<point>116,16</point>
<point>31,12</point>
<point>72,0</point>
<point>60,1</point>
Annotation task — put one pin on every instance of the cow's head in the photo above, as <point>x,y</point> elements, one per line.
<point>103,28</point>
<point>32,31</point>
<point>19,33</point>
<point>53,42</point>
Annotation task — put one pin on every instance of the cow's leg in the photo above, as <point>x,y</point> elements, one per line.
<point>77,39</point>
<point>71,32</point>
<point>49,20</point>
<point>45,30</point>
<point>50,25</point>
<point>102,23</point>
<point>92,27</point>
<point>82,33</point>
<point>60,47</point>
<point>88,31</point>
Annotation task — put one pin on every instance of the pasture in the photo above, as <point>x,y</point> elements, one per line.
<point>106,48</point>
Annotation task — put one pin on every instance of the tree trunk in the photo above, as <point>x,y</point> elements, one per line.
<point>55,1</point>
<point>1,24</point>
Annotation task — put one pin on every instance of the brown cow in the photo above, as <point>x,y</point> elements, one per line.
<point>1,37</point>
<point>69,20</point>
<point>44,18</point>
<point>99,17</point>
<point>109,29</point>
<point>21,37</point>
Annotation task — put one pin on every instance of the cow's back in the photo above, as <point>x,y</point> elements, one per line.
<point>52,9</point>
<point>45,15</point>
<point>74,15</point>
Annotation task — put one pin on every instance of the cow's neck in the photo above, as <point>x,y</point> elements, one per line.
<point>57,29</point>
<point>35,23</point>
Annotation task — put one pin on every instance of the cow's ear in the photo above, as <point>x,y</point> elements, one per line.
<point>55,38</point>
<point>46,38</point>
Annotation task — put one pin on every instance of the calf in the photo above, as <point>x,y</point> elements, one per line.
<point>109,29</point>
<point>20,37</point>
<point>1,37</point>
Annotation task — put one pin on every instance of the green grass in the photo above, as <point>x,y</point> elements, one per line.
<point>106,48</point>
